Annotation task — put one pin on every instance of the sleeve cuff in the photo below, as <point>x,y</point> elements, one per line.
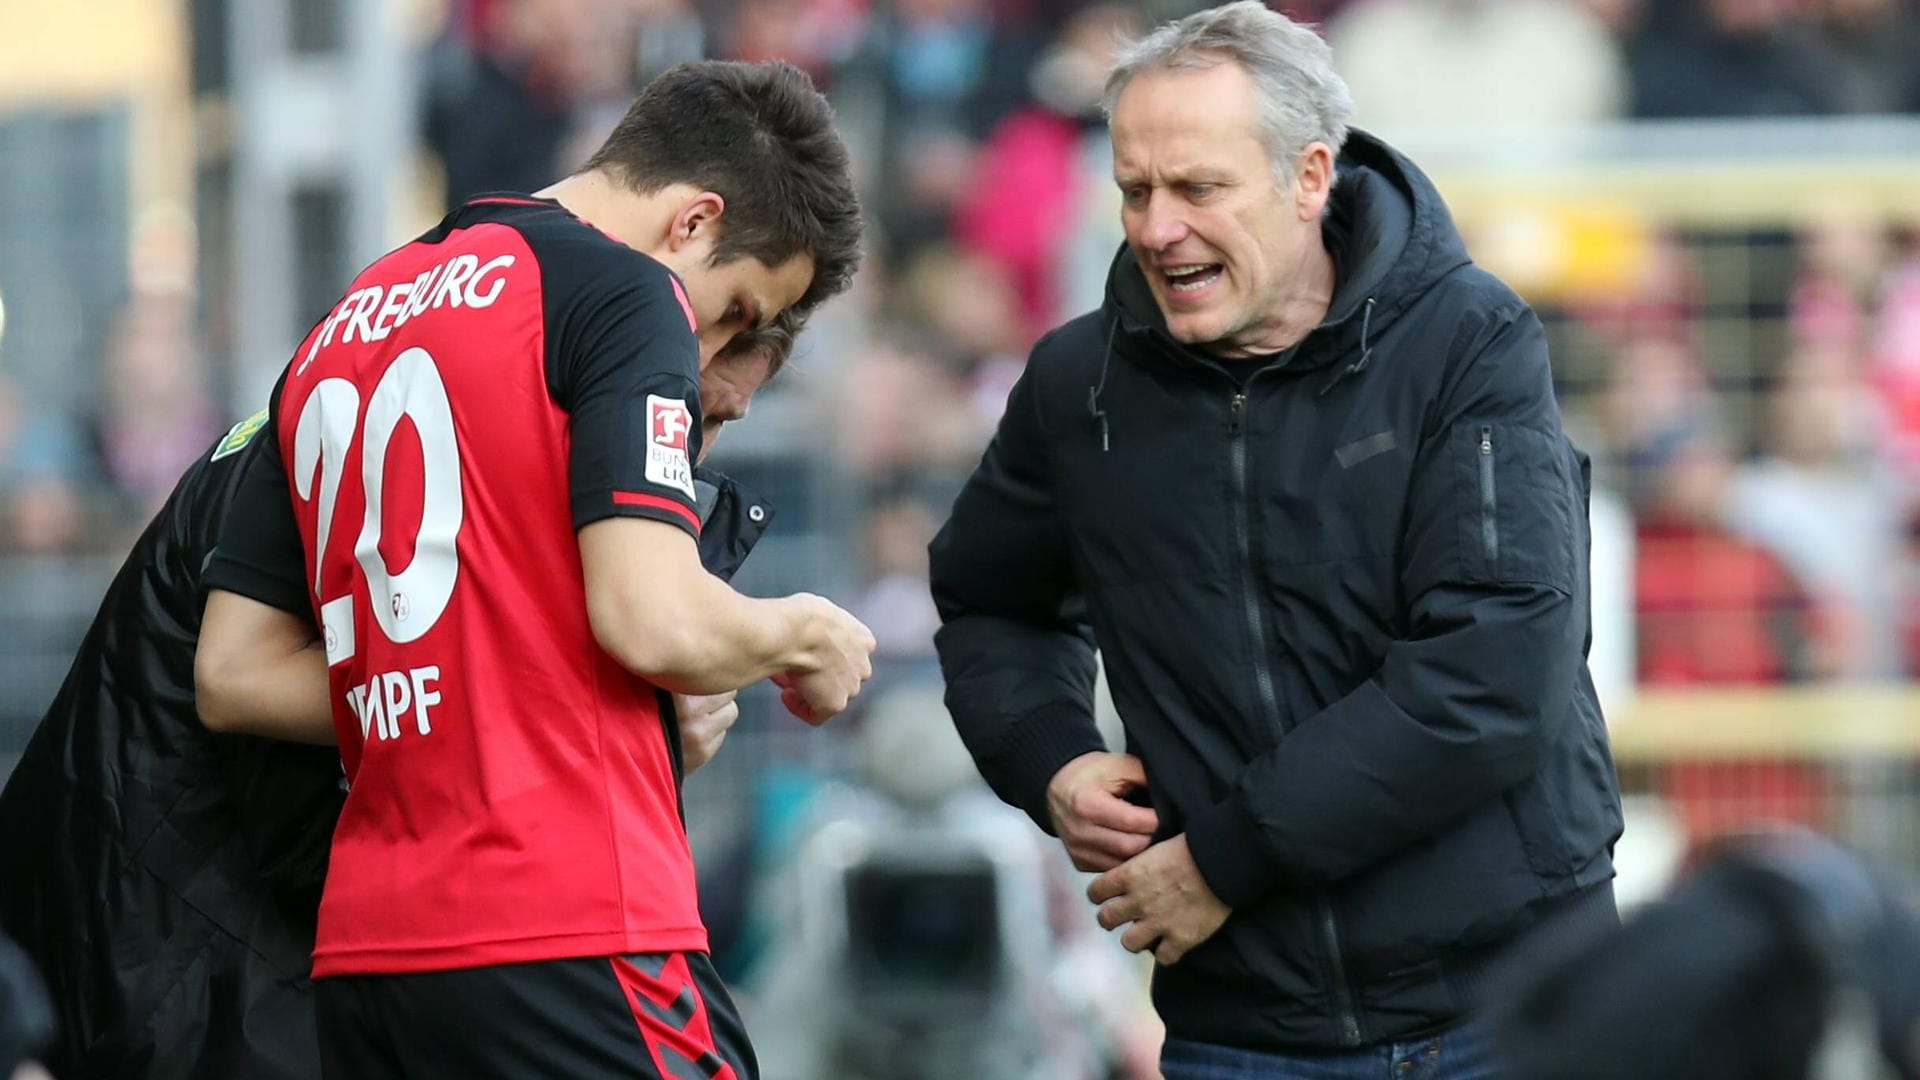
<point>599,506</point>
<point>254,583</point>
<point>1035,748</point>
<point>1227,848</point>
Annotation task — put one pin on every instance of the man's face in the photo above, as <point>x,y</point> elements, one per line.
<point>732,302</point>
<point>737,296</point>
<point>1221,237</point>
<point>727,385</point>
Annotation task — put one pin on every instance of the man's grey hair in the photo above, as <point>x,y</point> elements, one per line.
<point>1302,98</point>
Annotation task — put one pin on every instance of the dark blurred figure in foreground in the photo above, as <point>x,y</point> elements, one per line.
<point>1779,958</point>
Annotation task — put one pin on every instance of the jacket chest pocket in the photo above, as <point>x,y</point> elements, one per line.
<point>1337,507</point>
<point>1515,497</point>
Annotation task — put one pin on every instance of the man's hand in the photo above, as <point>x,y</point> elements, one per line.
<point>1163,895</point>
<point>704,722</point>
<point>840,653</point>
<point>1087,801</point>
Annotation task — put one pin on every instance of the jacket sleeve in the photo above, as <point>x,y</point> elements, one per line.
<point>1493,563</point>
<point>1018,663</point>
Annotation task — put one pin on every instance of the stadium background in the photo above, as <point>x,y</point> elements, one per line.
<point>1715,204</point>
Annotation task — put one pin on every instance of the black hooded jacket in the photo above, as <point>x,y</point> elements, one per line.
<point>1344,615</point>
<point>166,879</point>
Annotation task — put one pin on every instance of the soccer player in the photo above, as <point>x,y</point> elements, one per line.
<point>478,477</point>
<point>167,878</point>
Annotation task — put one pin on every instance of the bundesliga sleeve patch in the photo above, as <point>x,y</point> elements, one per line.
<point>669,423</point>
<point>239,435</point>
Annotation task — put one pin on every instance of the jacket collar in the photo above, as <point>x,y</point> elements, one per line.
<point>732,520</point>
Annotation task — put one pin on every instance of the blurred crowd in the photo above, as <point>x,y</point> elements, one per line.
<point>1770,471</point>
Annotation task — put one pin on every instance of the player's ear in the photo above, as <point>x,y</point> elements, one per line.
<point>697,221</point>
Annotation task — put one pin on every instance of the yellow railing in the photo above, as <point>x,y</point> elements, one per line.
<point>1813,724</point>
<point>1689,173</point>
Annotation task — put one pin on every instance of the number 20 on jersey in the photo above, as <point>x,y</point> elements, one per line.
<point>405,605</point>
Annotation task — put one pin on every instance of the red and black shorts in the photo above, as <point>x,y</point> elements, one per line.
<point>657,1016</point>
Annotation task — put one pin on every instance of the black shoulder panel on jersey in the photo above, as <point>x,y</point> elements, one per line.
<point>622,359</point>
<point>259,554</point>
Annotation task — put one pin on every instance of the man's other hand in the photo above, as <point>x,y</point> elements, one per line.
<point>1163,895</point>
<point>1087,802</point>
<point>705,720</point>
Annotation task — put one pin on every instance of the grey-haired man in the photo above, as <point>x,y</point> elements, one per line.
<point>1302,480</point>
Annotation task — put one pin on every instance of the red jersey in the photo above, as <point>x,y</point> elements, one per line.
<point>477,396</point>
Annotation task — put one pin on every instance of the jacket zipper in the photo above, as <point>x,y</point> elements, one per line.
<point>1489,504</point>
<point>1243,533</point>
<point>1263,676</point>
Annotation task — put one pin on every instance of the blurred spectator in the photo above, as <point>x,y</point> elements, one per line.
<point>1908,586</point>
<point>46,516</point>
<point>1307,11</point>
<point>1658,299</point>
<point>1869,48</point>
<point>897,604</point>
<point>1896,352</point>
<point>156,414</point>
<point>666,33</point>
<point>971,308</point>
<point>1843,255</point>
<point>1713,608</point>
<point>1819,500</point>
<point>813,35</point>
<point>1723,58</point>
<point>943,72</point>
<point>623,44</point>
<point>502,83</point>
<point>41,508</point>
<point>1042,202</point>
<point>1506,65</point>
<point>904,413</point>
<point>1618,16</point>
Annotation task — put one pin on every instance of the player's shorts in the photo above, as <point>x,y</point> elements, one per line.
<point>657,1016</point>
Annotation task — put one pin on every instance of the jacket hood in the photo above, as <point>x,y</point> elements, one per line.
<point>1392,237</point>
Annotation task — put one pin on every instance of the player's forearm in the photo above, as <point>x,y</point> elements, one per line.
<point>275,700</point>
<point>714,639</point>
<point>259,671</point>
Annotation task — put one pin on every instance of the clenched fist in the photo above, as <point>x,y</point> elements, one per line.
<point>839,661</point>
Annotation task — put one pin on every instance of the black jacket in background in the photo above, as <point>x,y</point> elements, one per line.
<point>166,879</point>
<point>1344,617</point>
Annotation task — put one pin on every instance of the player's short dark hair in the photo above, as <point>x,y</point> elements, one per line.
<point>761,137</point>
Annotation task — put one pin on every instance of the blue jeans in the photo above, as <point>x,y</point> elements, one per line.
<point>1460,1053</point>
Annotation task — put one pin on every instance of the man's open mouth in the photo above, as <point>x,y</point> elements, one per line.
<point>1192,277</point>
